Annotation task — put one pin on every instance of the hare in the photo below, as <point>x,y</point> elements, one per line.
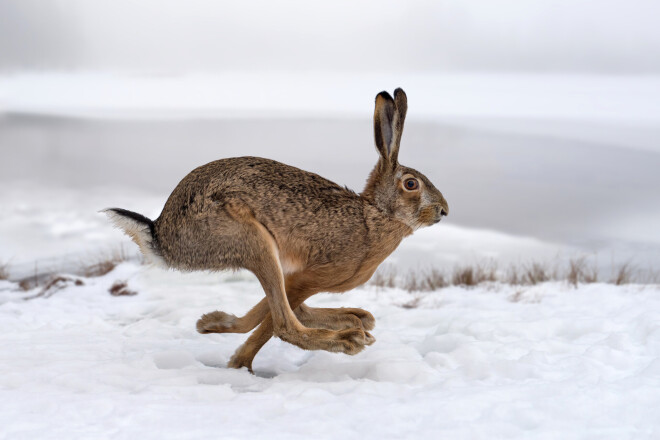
<point>299,233</point>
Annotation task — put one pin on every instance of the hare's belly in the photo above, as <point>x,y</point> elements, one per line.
<point>291,265</point>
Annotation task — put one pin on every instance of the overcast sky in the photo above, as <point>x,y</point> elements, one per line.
<point>170,37</point>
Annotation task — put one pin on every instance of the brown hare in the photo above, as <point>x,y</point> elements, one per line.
<point>299,233</point>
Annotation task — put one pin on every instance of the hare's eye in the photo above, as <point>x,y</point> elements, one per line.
<point>411,184</point>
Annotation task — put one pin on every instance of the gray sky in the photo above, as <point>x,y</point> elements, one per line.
<point>167,36</point>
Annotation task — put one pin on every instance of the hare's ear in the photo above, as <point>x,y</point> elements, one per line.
<point>400,110</point>
<point>389,117</point>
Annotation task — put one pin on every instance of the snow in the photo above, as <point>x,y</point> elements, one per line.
<point>549,361</point>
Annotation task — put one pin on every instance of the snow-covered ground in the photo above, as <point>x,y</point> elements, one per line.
<point>542,362</point>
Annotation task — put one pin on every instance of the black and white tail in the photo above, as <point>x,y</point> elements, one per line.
<point>141,230</point>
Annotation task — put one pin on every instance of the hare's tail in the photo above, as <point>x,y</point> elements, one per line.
<point>141,230</point>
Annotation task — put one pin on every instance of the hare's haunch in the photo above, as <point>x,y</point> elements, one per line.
<point>299,233</point>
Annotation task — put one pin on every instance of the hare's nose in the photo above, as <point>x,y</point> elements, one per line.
<point>443,212</point>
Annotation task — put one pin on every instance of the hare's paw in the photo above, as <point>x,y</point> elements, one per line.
<point>347,318</point>
<point>216,322</point>
<point>369,339</point>
<point>368,320</point>
<point>239,361</point>
<point>336,319</point>
<point>350,341</point>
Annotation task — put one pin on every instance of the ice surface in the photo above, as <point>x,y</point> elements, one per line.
<point>618,99</point>
<point>549,361</point>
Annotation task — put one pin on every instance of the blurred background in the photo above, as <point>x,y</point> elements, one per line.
<point>538,120</point>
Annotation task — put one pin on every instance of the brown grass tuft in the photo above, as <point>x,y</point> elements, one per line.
<point>434,279</point>
<point>120,288</point>
<point>385,276</point>
<point>4,271</point>
<point>464,276</point>
<point>512,276</point>
<point>536,273</point>
<point>580,272</point>
<point>652,276</point>
<point>55,285</point>
<point>104,263</point>
<point>413,282</point>
<point>473,275</point>
<point>623,274</point>
<point>26,285</point>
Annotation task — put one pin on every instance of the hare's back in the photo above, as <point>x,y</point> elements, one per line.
<point>264,180</point>
<point>298,207</point>
<point>284,196</point>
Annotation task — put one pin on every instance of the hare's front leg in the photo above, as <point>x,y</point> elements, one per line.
<point>222,322</point>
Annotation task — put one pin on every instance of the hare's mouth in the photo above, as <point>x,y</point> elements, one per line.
<point>431,214</point>
<point>439,212</point>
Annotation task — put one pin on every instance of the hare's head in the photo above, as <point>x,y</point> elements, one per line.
<point>402,192</point>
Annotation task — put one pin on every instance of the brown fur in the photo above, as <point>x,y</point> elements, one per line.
<point>299,233</point>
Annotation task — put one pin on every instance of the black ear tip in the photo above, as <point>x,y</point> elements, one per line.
<point>386,96</point>
<point>399,91</point>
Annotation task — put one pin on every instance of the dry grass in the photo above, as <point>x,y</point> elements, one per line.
<point>54,285</point>
<point>103,263</point>
<point>623,275</point>
<point>652,276</point>
<point>34,280</point>
<point>579,270</point>
<point>464,276</point>
<point>26,285</point>
<point>474,275</point>
<point>96,266</point>
<point>535,273</point>
<point>434,279</point>
<point>385,276</point>
<point>4,271</point>
<point>425,281</point>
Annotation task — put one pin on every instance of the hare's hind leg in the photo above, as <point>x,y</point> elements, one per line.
<point>258,252</point>
<point>332,319</point>
<point>335,319</point>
